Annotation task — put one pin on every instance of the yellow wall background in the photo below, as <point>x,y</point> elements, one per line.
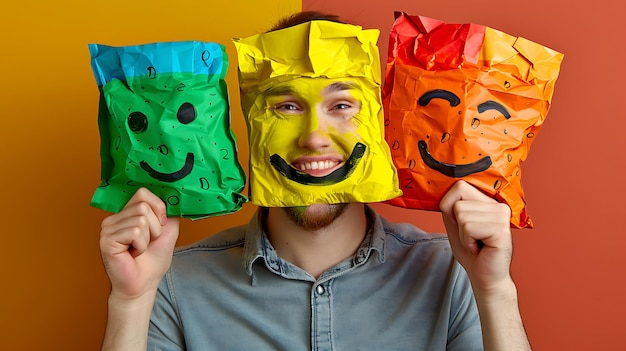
<point>54,290</point>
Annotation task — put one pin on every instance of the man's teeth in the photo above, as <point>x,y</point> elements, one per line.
<point>305,166</point>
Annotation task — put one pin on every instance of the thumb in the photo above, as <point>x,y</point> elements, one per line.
<point>461,190</point>
<point>451,204</point>
<point>459,248</point>
<point>164,244</point>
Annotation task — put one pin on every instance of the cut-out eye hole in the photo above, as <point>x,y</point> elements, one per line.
<point>186,113</point>
<point>137,122</point>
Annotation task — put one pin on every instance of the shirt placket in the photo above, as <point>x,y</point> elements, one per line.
<point>321,321</point>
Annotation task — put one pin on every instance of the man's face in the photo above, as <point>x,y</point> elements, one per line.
<point>316,131</point>
<point>315,136</point>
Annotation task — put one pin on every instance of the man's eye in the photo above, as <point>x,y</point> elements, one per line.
<point>287,107</point>
<point>342,106</point>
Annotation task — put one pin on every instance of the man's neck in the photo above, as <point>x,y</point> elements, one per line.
<point>318,250</point>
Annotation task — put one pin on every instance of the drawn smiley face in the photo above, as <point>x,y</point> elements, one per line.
<point>162,134</point>
<point>178,144</point>
<point>455,170</point>
<point>138,124</point>
<point>441,131</point>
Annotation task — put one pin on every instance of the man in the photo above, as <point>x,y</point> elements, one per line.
<point>324,276</point>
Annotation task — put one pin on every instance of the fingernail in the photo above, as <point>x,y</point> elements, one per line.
<point>164,220</point>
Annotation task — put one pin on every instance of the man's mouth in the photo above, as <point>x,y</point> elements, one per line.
<point>170,177</point>
<point>315,165</point>
<point>299,171</point>
<point>449,169</point>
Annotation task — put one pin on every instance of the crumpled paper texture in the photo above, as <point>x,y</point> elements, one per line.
<point>464,101</point>
<point>305,56</point>
<point>164,124</point>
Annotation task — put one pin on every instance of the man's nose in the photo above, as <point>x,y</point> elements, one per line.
<point>314,135</point>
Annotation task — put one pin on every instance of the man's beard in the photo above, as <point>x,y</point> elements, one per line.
<point>315,217</point>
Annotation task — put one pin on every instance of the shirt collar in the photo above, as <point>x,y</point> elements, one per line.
<point>257,244</point>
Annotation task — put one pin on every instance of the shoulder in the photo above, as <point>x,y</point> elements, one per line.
<point>427,251</point>
<point>410,234</point>
<point>225,240</point>
<point>405,244</point>
<point>218,255</point>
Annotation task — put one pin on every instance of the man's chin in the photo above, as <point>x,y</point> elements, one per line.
<point>316,216</point>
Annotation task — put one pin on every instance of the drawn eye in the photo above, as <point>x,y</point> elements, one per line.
<point>186,113</point>
<point>492,105</point>
<point>137,122</point>
<point>439,94</point>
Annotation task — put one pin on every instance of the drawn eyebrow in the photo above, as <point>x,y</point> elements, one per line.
<point>439,94</point>
<point>492,105</point>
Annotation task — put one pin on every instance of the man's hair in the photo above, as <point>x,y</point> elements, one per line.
<point>303,17</point>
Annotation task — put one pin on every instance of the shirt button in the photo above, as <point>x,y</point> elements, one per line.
<point>320,290</point>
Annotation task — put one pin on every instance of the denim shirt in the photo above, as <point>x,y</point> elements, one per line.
<point>402,290</point>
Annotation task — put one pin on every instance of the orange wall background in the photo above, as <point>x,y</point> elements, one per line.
<point>569,269</point>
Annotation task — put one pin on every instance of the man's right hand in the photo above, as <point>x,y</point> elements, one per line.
<point>137,245</point>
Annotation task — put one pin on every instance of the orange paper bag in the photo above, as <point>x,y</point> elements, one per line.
<point>463,101</point>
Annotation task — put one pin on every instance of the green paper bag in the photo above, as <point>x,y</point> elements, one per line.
<point>164,124</point>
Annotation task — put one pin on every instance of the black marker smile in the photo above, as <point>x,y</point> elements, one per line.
<point>452,170</point>
<point>335,176</point>
<point>170,177</point>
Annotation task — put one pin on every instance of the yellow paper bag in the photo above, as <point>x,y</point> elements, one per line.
<point>311,97</point>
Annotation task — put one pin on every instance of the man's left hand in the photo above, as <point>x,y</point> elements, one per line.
<point>480,235</point>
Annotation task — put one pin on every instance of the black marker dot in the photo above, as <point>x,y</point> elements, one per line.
<point>152,72</point>
<point>173,200</point>
<point>497,184</point>
<point>475,123</point>
<point>445,137</point>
